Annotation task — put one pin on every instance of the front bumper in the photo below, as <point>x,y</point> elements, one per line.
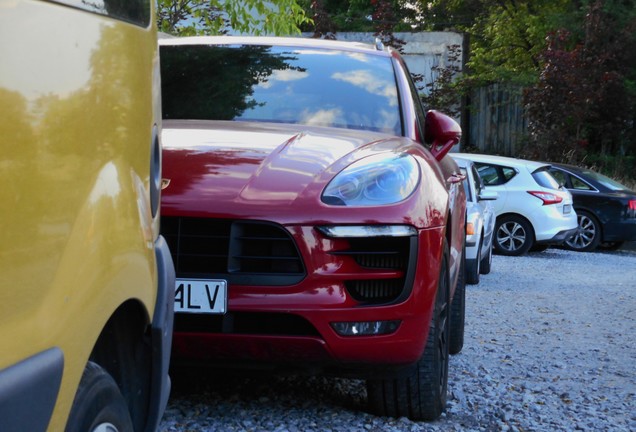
<point>292,324</point>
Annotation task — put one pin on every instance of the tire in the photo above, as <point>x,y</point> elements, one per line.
<point>486,262</point>
<point>473,268</point>
<point>513,236</point>
<point>99,405</point>
<point>458,311</point>
<point>420,394</point>
<point>588,233</point>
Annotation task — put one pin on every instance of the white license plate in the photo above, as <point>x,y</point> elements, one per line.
<point>203,296</point>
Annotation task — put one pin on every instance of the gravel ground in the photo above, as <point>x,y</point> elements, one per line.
<point>550,346</point>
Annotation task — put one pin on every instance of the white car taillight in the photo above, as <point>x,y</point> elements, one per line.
<point>546,197</point>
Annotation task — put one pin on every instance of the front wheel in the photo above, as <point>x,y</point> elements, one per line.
<point>99,405</point>
<point>421,394</point>
<point>513,236</point>
<point>473,267</point>
<point>486,262</point>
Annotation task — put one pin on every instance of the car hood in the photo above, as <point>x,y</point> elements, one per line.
<point>246,168</point>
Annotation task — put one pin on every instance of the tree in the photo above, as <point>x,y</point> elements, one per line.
<point>584,103</point>
<point>196,17</point>
<point>506,36</point>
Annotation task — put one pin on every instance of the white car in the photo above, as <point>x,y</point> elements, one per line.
<point>532,210</point>
<point>480,222</point>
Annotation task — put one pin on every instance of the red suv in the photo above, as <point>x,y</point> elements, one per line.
<point>314,218</point>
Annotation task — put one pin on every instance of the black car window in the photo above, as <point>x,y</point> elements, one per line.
<point>560,176</point>
<point>493,175</point>
<point>543,178</point>
<point>579,184</point>
<point>280,84</point>
<point>488,174</point>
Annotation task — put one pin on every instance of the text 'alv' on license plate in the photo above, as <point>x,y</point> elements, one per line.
<point>201,296</point>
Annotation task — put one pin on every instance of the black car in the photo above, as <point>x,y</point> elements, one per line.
<point>606,209</point>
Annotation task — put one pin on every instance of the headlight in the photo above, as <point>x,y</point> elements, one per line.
<point>375,180</point>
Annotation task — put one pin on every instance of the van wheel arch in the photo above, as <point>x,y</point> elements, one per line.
<point>123,350</point>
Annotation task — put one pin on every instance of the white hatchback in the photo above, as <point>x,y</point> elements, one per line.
<point>533,211</point>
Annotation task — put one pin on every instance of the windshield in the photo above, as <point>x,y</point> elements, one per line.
<point>280,84</point>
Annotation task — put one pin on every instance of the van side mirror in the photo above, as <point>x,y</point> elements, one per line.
<point>441,132</point>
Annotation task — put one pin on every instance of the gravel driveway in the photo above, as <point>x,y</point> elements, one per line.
<point>550,346</point>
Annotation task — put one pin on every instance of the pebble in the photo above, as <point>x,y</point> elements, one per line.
<point>549,346</point>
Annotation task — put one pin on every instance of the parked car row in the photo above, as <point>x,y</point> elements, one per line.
<point>317,221</point>
<point>542,204</point>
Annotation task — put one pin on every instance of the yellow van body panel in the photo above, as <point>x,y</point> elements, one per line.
<point>78,102</point>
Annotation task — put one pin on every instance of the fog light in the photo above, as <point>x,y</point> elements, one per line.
<point>366,328</point>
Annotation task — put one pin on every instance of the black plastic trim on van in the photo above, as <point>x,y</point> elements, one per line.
<point>162,325</point>
<point>28,391</point>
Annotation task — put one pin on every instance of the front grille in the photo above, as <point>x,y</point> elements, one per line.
<point>395,256</point>
<point>243,252</point>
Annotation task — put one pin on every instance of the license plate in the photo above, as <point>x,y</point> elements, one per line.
<point>203,296</point>
<point>567,208</point>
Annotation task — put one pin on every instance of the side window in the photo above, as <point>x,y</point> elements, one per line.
<point>508,173</point>
<point>417,102</point>
<point>488,174</point>
<point>494,175</point>
<point>133,11</point>
<point>579,184</point>
<point>560,176</point>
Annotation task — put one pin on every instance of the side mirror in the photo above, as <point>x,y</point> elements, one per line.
<point>441,132</point>
<point>486,195</point>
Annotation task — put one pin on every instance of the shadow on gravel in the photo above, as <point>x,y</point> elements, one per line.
<point>561,253</point>
<point>266,389</point>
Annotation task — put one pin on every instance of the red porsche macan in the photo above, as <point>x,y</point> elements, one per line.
<point>313,216</point>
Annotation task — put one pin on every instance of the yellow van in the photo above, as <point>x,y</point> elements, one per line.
<point>86,282</point>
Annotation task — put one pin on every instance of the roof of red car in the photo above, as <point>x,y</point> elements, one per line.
<point>272,40</point>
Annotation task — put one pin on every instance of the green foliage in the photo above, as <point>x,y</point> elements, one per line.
<point>584,102</point>
<point>508,36</point>
<point>210,17</point>
<point>622,169</point>
<point>332,16</point>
